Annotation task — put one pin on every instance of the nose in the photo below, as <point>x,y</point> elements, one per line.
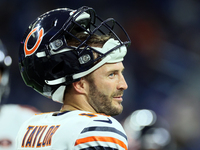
<point>122,83</point>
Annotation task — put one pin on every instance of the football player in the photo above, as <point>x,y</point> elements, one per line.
<point>75,58</point>
<point>11,115</point>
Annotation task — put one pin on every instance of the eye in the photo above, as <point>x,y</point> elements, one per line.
<point>111,75</point>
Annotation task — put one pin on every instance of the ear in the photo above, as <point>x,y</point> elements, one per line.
<point>80,86</point>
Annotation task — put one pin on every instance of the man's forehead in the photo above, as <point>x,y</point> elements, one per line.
<point>111,66</point>
<point>114,64</point>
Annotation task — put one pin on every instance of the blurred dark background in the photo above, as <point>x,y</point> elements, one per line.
<point>162,65</point>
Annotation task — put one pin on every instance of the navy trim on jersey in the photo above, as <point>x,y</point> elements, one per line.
<point>61,113</point>
<point>106,121</point>
<point>98,148</point>
<point>107,129</point>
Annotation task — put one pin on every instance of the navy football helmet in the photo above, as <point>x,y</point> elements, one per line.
<point>47,63</point>
<point>5,62</point>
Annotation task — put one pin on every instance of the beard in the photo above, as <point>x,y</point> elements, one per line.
<point>102,103</point>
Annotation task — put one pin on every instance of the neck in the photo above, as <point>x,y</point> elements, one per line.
<point>69,108</point>
<point>77,103</point>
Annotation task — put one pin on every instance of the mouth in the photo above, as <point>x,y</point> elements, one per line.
<point>118,98</point>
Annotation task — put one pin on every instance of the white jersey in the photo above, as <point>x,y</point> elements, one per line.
<point>72,130</point>
<point>12,116</point>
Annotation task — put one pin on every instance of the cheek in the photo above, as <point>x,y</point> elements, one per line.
<point>106,88</point>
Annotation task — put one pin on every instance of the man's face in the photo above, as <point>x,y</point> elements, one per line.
<point>106,89</point>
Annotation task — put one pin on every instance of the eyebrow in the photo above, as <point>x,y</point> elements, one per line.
<point>116,70</point>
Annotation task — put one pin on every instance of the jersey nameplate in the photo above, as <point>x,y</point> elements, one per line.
<point>39,136</point>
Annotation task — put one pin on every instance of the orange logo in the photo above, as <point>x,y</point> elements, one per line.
<point>29,52</point>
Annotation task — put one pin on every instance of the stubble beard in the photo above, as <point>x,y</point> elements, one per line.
<point>103,103</point>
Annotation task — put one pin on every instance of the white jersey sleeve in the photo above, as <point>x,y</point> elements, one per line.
<point>12,116</point>
<point>72,130</point>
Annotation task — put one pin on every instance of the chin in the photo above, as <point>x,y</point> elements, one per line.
<point>117,111</point>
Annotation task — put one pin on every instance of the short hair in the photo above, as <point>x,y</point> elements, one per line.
<point>94,39</point>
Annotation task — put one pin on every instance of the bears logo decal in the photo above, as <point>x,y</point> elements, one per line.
<point>28,51</point>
